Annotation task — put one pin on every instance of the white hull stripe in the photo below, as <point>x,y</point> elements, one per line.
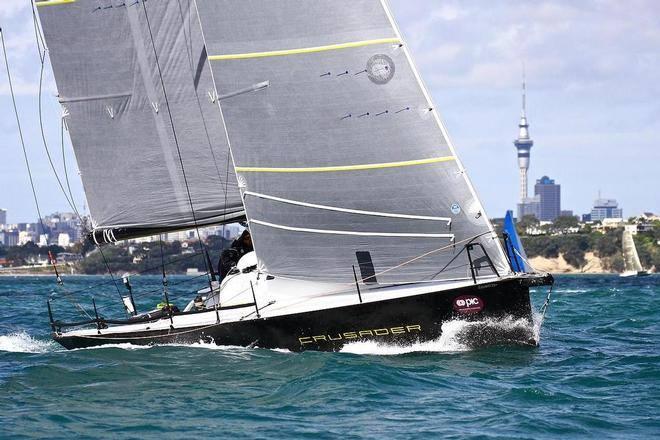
<point>349,211</point>
<point>364,234</point>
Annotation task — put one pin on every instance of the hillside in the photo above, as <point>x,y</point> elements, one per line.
<point>589,252</point>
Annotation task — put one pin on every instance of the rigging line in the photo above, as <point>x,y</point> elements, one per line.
<point>41,49</point>
<point>71,202</point>
<point>54,169</point>
<point>524,259</point>
<point>351,284</point>
<point>546,304</point>
<point>43,137</point>
<point>176,139</point>
<point>142,272</point>
<point>25,156</point>
<point>199,105</point>
<point>225,184</point>
<point>66,174</point>
<point>162,259</point>
<point>37,31</point>
<point>112,277</point>
<point>20,133</point>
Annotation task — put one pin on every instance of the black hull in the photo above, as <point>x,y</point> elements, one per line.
<point>402,321</point>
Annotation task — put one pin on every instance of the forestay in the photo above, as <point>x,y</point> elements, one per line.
<point>117,114</point>
<point>339,152</point>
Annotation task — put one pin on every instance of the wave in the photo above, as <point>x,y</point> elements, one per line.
<point>21,342</point>
<point>461,335</point>
<point>201,344</point>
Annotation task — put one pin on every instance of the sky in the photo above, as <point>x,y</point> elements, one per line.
<point>593,99</point>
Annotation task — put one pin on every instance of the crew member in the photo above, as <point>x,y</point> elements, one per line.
<point>229,257</point>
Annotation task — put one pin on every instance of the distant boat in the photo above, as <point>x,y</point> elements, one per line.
<point>631,264</point>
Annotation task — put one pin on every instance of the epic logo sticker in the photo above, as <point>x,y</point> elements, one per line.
<point>468,304</point>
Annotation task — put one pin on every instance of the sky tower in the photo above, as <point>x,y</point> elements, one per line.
<point>523,144</point>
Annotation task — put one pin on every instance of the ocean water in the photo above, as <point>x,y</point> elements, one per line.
<point>596,374</point>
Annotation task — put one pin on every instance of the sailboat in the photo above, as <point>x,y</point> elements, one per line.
<point>306,120</point>
<point>632,265</point>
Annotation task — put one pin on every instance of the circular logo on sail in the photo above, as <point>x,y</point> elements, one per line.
<point>455,208</point>
<point>468,304</point>
<point>380,69</point>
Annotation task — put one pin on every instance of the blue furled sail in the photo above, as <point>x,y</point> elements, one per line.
<point>514,247</point>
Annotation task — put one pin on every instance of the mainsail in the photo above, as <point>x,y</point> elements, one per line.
<point>631,261</point>
<point>340,155</point>
<point>152,151</point>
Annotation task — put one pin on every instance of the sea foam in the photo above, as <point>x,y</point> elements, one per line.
<point>460,335</point>
<point>22,342</point>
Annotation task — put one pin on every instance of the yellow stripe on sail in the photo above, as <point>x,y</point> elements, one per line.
<point>279,53</point>
<point>54,2</point>
<point>371,166</point>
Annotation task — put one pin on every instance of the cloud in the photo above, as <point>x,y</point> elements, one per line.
<point>22,51</point>
<point>587,44</point>
<point>10,8</point>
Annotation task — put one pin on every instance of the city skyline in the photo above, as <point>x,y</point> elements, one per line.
<point>592,99</point>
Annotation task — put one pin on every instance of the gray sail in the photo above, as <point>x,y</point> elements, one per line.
<point>339,152</point>
<point>117,114</point>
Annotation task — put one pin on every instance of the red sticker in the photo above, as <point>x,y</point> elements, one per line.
<point>468,304</point>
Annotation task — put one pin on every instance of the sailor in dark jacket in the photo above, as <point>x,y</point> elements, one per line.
<point>229,257</point>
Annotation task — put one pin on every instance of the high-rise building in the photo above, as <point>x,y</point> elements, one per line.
<point>605,208</point>
<point>3,218</point>
<point>550,198</point>
<point>524,145</point>
<point>530,206</point>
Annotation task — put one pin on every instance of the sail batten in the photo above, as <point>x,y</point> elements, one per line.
<point>327,169</point>
<point>285,52</point>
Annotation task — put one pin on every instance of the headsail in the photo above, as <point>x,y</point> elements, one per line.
<point>341,158</point>
<point>102,55</point>
<point>514,247</point>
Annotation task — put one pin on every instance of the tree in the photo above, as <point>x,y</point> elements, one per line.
<point>565,222</point>
<point>526,222</point>
<point>607,244</point>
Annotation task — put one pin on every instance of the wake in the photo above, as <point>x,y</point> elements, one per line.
<point>21,342</point>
